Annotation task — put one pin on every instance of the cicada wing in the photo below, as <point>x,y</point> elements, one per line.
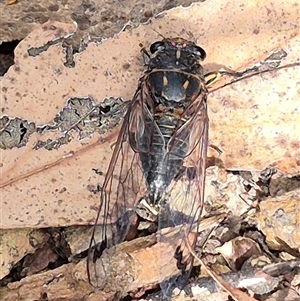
<point>122,189</point>
<point>187,191</point>
<point>185,195</point>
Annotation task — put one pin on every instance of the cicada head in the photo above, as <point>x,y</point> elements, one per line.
<point>180,45</point>
<point>176,53</point>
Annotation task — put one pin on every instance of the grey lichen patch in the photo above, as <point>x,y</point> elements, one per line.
<point>51,144</point>
<point>15,132</point>
<point>81,115</point>
<point>35,51</point>
<point>84,117</point>
<point>70,63</point>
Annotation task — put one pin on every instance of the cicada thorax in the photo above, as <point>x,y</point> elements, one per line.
<point>175,89</point>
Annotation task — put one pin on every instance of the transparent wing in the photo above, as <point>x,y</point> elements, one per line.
<point>184,197</point>
<point>123,187</point>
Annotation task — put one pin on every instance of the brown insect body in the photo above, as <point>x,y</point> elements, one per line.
<point>165,126</point>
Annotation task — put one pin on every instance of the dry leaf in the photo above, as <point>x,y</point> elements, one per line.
<point>253,121</point>
<point>238,250</point>
<point>279,220</point>
<point>16,244</point>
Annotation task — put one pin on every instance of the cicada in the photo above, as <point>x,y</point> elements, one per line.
<point>163,138</point>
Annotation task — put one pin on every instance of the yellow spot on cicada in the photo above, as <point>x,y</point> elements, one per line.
<point>186,84</point>
<point>211,78</point>
<point>165,81</point>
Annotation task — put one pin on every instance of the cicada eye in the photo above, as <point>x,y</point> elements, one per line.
<point>197,51</point>
<point>157,46</point>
